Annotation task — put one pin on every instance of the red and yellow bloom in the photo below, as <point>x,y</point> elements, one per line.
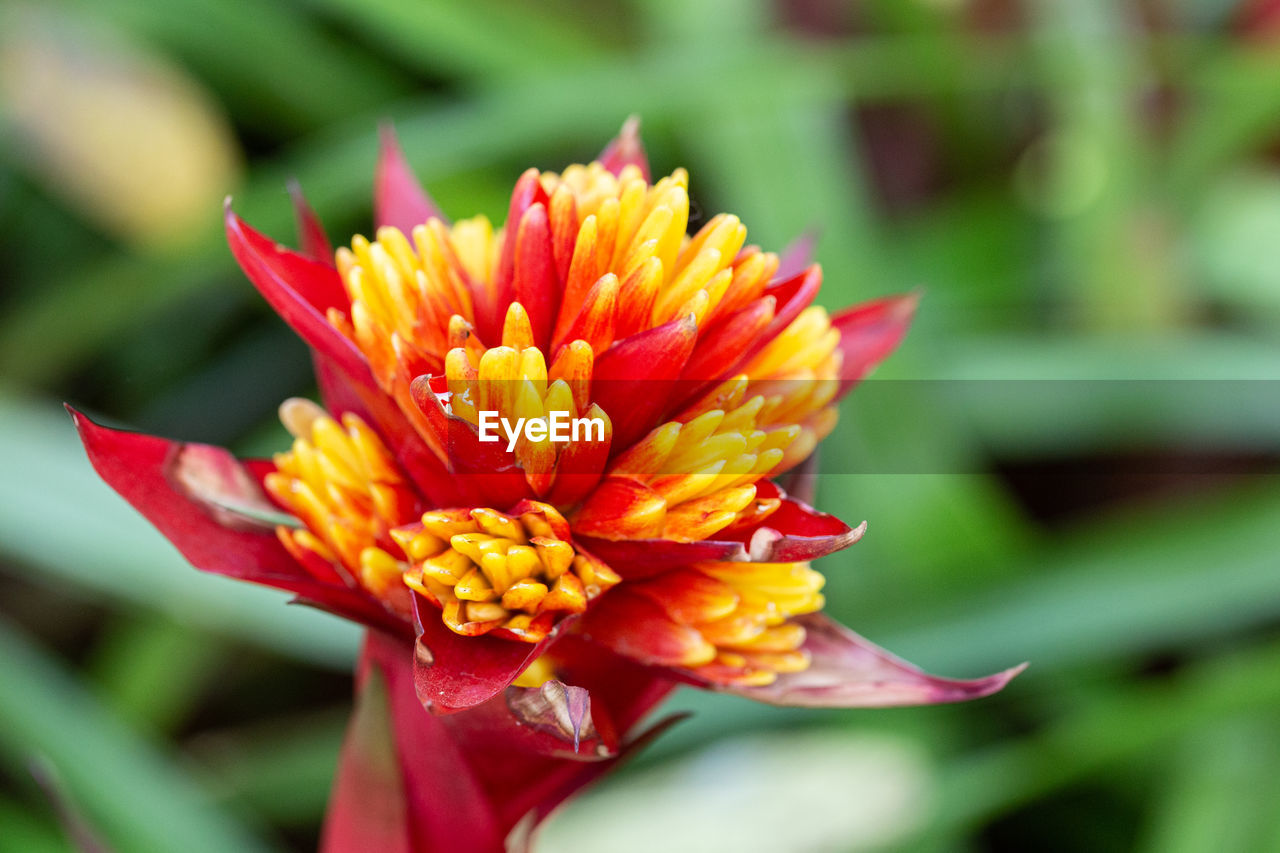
<point>555,590</point>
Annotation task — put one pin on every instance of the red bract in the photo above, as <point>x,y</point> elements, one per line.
<point>531,596</point>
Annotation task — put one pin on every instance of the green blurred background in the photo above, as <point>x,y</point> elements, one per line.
<point>1087,190</point>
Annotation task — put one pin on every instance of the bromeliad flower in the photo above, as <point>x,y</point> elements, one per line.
<point>544,476</point>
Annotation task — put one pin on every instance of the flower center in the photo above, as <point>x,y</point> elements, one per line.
<point>513,574</point>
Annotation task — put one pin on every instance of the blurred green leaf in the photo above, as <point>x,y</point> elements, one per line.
<point>150,670</point>
<point>1131,720</point>
<point>136,799</point>
<point>1221,790</point>
<point>273,65</point>
<point>481,37</point>
<point>24,832</point>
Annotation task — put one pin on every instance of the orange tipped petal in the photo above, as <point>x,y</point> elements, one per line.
<point>691,597</point>
<point>536,286</point>
<point>634,626</point>
<point>595,321</point>
<point>620,509</point>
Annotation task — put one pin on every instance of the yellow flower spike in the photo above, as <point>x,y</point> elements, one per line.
<point>700,518</point>
<point>474,585</point>
<point>498,525</point>
<point>669,243</point>
<point>526,402</point>
<point>299,415</point>
<point>637,295</point>
<point>459,332</point>
<point>472,545</point>
<point>418,544</point>
<point>568,594</point>
<point>488,611</point>
<point>374,458</point>
<point>396,290</point>
<point>448,523</point>
<point>497,569</point>
<point>713,227</point>
<point>732,630</point>
<point>702,427</point>
<point>533,368</point>
<point>649,454</point>
<point>498,368</point>
<point>750,274</point>
<point>446,567</point>
<point>744,416</point>
<point>524,595</point>
<point>556,555</point>
<point>776,663</point>
<point>693,456</point>
<point>687,283</point>
<point>695,306</point>
<point>638,256</point>
<point>651,232</point>
<point>380,573</point>
<point>474,244</point>
<point>574,365</point>
<point>398,250</point>
<point>677,488</point>
<point>522,562</point>
<point>715,290</point>
<point>606,236</point>
<point>780,638</point>
<point>517,331</point>
<point>336,470</point>
<point>631,213</point>
<point>540,523</point>
<point>538,459</point>
<point>559,398</point>
<point>581,275</point>
<point>595,575</point>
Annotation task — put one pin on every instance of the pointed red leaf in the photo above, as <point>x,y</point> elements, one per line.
<point>479,473</point>
<point>848,671</point>
<point>793,532</point>
<point>870,332</point>
<point>311,237</point>
<point>633,380</point>
<point>398,198</point>
<point>797,256</point>
<point>299,289</point>
<point>626,149</point>
<point>452,672</point>
<point>793,295</point>
<point>720,347</point>
<point>210,507</point>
